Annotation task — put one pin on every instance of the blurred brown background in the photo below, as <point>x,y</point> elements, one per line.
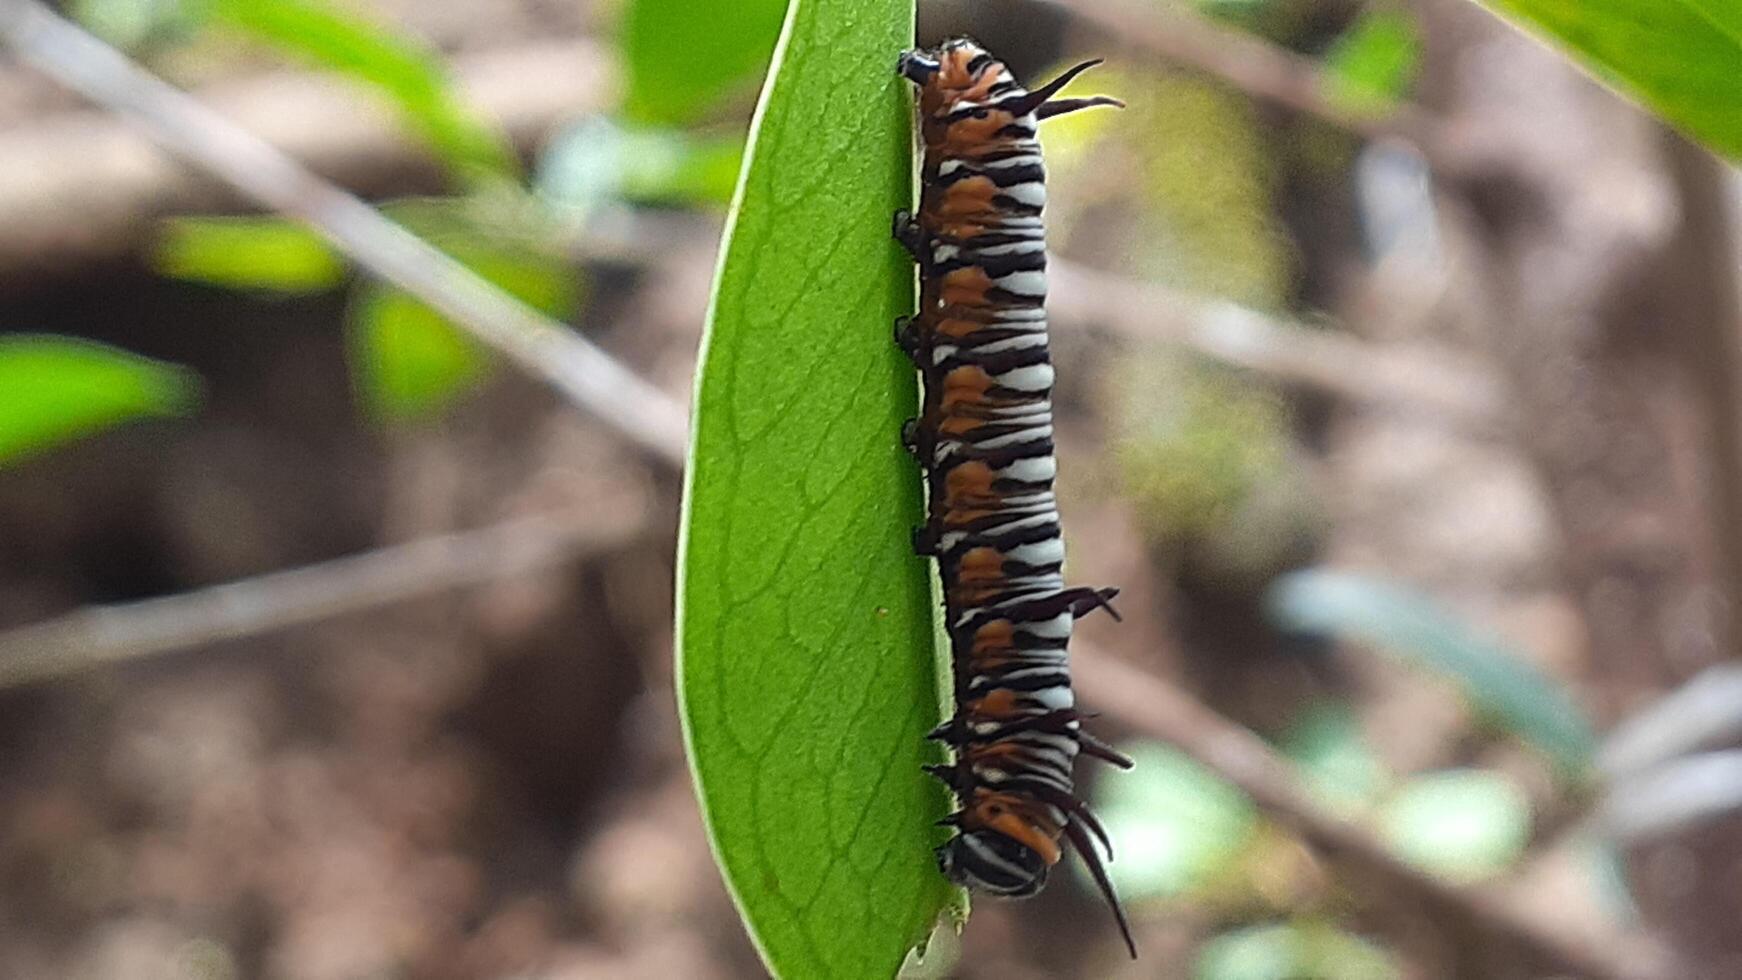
<point>1464,325</point>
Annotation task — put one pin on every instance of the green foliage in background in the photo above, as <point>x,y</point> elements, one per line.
<point>1191,443</point>
<point>135,24</point>
<point>1186,835</point>
<point>1177,825</point>
<point>1202,451</point>
<point>807,658</point>
<point>1499,682</point>
<point>1336,761</point>
<point>681,57</point>
<point>1278,21</point>
<point>412,77</point>
<point>598,162</point>
<point>1464,824</point>
<point>1203,456</point>
<point>409,361</point>
<point>268,254</point>
<point>1194,152</point>
<point>1374,63</point>
<point>1682,58</point>
<point>55,389</point>
<point>1292,951</point>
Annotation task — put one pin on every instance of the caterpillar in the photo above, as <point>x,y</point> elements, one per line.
<point>984,438</point>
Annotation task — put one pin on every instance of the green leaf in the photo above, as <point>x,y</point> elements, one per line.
<point>1373,65</point>
<point>1230,9</point>
<point>807,658</point>
<point>1334,757</point>
<point>409,362</point>
<point>1290,951</point>
<point>1462,824</point>
<point>1681,58</point>
<point>248,253</point>
<point>597,162</point>
<point>706,172</point>
<point>56,389</point>
<point>1174,824</point>
<point>683,56</point>
<point>401,69</point>
<point>1499,682</point>
<point>136,24</point>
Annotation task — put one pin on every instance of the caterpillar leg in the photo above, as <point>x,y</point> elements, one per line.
<point>907,231</point>
<point>910,436</point>
<point>907,337</point>
<point>949,775</point>
<point>925,541</point>
<point>916,66</point>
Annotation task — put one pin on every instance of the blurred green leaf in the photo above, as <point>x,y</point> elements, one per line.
<point>1293,951</point>
<point>1462,824</point>
<point>1334,757</point>
<point>1175,825</point>
<point>402,69</point>
<point>706,173</point>
<point>1678,57</point>
<point>409,362</point>
<point>683,56</point>
<point>1203,455</point>
<point>807,675</point>
<point>1228,8</point>
<point>56,389</point>
<point>1498,681</point>
<point>1374,63</point>
<point>597,162</point>
<point>1195,205</point>
<point>131,24</point>
<point>248,253</point>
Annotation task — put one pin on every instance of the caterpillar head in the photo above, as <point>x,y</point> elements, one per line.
<point>967,95</point>
<point>953,65</point>
<point>955,71</point>
<point>989,862</point>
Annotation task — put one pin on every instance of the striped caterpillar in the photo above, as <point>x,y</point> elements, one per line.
<point>984,439</point>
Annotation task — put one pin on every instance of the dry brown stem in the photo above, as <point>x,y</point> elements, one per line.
<point>100,635</point>
<point>52,223</point>
<point>1251,64</point>
<point>1436,382</point>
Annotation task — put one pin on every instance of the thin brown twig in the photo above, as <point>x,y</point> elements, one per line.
<point>52,225</point>
<point>176,121</point>
<point>1436,382</point>
<point>1251,64</point>
<point>1706,267</point>
<point>132,631</point>
<point>1156,709</point>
